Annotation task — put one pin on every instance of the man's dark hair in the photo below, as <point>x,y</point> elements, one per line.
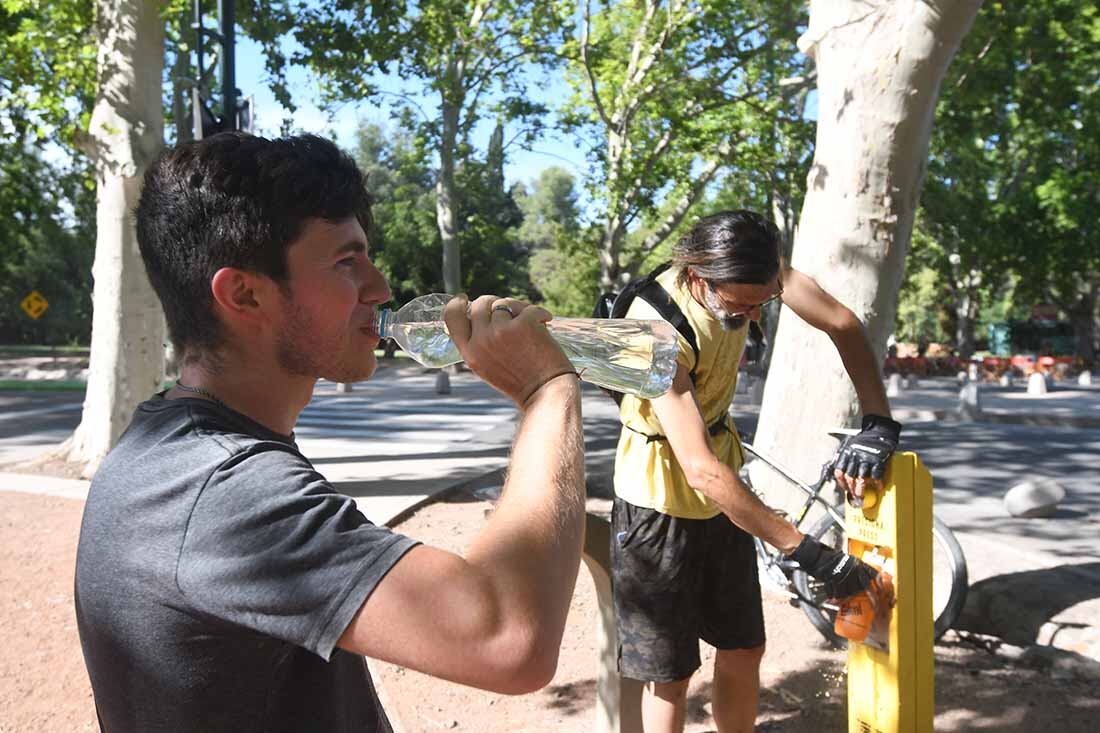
<point>730,247</point>
<point>235,200</point>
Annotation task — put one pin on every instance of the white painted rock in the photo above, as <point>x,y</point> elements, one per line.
<point>1034,498</point>
<point>343,387</point>
<point>972,372</point>
<point>1006,380</point>
<point>1036,384</point>
<point>893,386</point>
<point>962,378</point>
<point>1085,378</point>
<point>970,401</point>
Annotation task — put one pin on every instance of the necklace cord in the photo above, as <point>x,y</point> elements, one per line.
<point>200,391</point>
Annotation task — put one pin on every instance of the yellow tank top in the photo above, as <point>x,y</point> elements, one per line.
<point>646,472</point>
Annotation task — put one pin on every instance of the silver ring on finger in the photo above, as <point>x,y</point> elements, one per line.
<point>504,307</point>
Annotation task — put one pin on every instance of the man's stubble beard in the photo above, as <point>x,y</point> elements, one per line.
<point>728,323</point>
<point>299,352</point>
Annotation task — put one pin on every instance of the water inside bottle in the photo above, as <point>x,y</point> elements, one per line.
<point>631,356</point>
<point>427,342</point>
<point>638,357</point>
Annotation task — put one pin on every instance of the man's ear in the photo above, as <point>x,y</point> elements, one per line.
<point>240,294</point>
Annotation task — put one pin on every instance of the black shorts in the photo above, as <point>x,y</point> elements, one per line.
<point>676,581</point>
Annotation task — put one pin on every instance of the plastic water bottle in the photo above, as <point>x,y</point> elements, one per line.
<point>625,355</point>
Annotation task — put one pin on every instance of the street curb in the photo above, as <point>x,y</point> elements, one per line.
<point>952,416</point>
<point>43,485</point>
<point>494,477</point>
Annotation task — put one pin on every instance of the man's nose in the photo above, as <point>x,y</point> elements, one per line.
<point>375,288</point>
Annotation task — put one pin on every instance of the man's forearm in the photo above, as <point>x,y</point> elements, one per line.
<point>744,508</point>
<point>862,367</point>
<point>532,545</point>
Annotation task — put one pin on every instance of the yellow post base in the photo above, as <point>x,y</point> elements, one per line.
<point>890,675</point>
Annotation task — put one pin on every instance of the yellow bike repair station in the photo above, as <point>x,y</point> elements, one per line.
<point>890,674</point>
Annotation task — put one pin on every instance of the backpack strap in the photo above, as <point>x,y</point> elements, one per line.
<point>663,303</point>
<point>652,292</point>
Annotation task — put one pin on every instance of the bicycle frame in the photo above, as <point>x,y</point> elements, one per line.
<point>812,493</point>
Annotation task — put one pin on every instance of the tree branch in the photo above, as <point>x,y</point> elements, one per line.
<point>586,61</point>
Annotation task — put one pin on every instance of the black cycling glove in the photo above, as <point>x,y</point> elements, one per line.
<point>865,455</point>
<point>843,575</point>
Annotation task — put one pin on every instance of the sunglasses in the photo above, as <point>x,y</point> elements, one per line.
<point>736,310</point>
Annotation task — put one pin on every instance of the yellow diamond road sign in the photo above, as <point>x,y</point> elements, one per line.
<point>34,305</point>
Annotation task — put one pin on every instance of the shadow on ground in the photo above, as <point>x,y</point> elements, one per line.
<point>1014,606</point>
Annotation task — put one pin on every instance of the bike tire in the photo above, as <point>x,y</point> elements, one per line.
<point>829,532</point>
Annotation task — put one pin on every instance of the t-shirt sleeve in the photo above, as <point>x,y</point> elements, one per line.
<point>640,308</point>
<point>271,546</point>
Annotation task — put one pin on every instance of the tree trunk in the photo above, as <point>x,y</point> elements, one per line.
<point>966,313</point>
<point>879,72</point>
<point>611,271</point>
<point>1082,316</point>
<point>126,132</point>
<point>445,201</point>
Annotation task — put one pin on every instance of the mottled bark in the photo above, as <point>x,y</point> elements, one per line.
<point>126,131</point>
<point>879,72</point>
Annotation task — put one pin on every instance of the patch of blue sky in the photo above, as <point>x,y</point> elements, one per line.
<point>341,122</point>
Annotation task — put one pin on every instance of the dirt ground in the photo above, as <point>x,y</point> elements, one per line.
<point>43,685</point>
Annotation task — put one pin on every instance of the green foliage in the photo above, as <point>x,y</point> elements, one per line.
<point>405,240</point>
<point>550,214</point>
<point>563,265</point>
<point>47,241</point>
<point>1012,192</point>
<point>667,98</point>
<point>47,68</point>
<point>566,279</point>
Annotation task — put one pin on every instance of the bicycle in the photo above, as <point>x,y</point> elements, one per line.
<point>949,573</point>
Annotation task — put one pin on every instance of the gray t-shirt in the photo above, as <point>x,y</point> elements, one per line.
<point>215,573</point>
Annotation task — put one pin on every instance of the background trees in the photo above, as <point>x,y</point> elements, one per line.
<point>668,97</point>
<point>879,73</point>
<point>462,57</point>
<point>682,107</point>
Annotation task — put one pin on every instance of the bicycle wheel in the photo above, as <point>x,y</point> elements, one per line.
<point>949,579</point>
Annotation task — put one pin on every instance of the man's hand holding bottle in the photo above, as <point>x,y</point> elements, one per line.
<point>505,342</point>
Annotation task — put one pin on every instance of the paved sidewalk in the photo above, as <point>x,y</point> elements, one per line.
<point>391,442</point>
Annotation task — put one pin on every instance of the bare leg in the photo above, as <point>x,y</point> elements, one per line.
<point>736,690</point>
<point>664,706</point>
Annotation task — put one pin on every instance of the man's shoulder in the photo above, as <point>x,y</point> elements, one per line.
<point>192,441</point>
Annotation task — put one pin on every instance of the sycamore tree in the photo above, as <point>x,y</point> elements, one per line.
<point>124,134</point>
<point>879,71</point>
<point>87,79</point>
<point>87,76</point>
<point>668,96</point>
<point>459,60</point>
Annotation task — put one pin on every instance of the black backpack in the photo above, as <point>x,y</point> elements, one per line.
<point>615,305</point>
